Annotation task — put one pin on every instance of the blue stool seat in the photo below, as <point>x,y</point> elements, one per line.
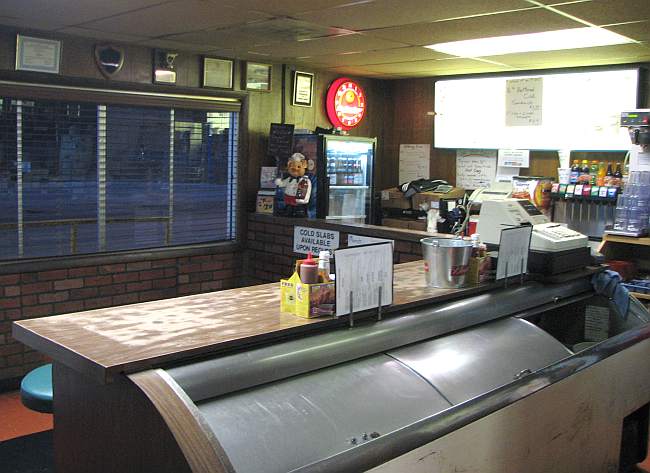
<point>36,389</point>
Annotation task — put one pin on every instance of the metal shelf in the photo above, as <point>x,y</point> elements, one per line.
<point>349,187</point>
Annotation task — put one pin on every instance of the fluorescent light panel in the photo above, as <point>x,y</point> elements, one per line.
<point>546,41</point>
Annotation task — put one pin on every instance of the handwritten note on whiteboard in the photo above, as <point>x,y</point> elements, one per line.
<point>524,102</point>
<point>475,168</point>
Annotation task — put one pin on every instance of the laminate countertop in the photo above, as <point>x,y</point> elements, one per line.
<point>105,342</point>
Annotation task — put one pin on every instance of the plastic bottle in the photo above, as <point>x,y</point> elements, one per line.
<point>309,270</point>
<point>593,173</point>
<point>584,177</point>
<point>602,172</point>
<point>609,175</point>
<point>618,176</point>
<point>476,243</point>
<point>575,172</point>
<point>324,266</point>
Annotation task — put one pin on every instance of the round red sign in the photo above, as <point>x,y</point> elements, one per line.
<point>345,103</point>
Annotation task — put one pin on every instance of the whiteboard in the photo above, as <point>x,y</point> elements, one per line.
<point>579,111</point>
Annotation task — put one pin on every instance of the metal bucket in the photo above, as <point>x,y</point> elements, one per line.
<point>446,261</point>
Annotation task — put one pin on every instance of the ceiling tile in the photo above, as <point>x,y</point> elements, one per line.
<point>175,45</point>
<point>67,12</point>
<point>638,31</point>
<point>90,33</point>
<point>606,12</point>
<point>387,13</point>
<point>277,30</point>
<point>436,67</point>
<point>289,8</point>
<point>622,53</point>
<point>176,17</point>
<point>329,45</point>
<point>396,55</point>
<point>520,22</point>
<point>30,23</point>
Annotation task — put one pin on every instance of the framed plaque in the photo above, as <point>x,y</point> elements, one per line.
<point>218,72</point>
<point>37,54</point>
<point>303,87</point>
<point>257,76</point>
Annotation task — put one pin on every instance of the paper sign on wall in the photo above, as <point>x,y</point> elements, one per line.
<point>413,162</point>
<point>524,102</point>
<point>475,168</point>
<point>514,158</point>
<point>307,239</point>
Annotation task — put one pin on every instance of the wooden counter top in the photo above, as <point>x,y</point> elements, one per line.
<point>105,342</point>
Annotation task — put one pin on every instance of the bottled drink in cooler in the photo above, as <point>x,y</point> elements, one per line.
<point>575,172</point>
<point>593,173</point>
<point>618,176</point>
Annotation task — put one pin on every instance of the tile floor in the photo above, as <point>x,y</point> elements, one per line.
<point>16,420</point>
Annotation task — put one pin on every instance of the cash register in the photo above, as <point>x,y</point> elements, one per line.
<point>546,236</point>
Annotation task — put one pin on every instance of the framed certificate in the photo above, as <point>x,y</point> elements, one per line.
<point>303,87</point>
<point>257,76</point>
<point>37,54</point>
<point>218,72</point>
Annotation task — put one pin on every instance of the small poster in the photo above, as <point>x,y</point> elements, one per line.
<point>475,168</point>
<point>414,162</point>
<point>268,174</point>
<point>524,101</point>
<point>306,239</point>
<point>514,158</point>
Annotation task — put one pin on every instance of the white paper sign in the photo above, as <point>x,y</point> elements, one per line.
<point>514,158</point>
<point>505,174</point>
<point>267,177</point>
<point>513,251</point>
<point>524,102</point>
<point>358,240</point>
<point>307,239</point>
<point>475,168</point>
<point>362,270</point>
<point>413,162</point>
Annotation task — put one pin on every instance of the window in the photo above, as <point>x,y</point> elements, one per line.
<point>84,177</point>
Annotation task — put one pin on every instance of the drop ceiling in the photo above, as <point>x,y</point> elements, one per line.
<point>375,38</point>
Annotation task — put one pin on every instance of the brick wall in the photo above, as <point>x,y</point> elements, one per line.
<point>269,244</point>
<point>30,294</point>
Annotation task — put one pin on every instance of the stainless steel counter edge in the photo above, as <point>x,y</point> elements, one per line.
<point>218,376</point>
<point>392,445</point>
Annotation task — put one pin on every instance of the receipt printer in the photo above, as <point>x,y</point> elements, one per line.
<point>547,236</point>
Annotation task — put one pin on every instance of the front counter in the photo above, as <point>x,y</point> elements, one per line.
<point>488,379</point>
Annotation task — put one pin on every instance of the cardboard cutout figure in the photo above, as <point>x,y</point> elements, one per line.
<point>297,186</point>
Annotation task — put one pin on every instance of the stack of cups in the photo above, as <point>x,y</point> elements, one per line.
<point>633,206</point>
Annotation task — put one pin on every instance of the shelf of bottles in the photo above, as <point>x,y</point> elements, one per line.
<point>346,170</point>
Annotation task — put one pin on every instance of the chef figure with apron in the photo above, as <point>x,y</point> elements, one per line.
<point>297,186</point>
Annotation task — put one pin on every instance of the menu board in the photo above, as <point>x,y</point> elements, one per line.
<point>524,101</point>
<point>475,168</point>
<point>281,141</point>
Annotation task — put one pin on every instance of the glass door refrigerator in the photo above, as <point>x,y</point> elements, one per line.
<point>340,168</point>
<point>347,179</point>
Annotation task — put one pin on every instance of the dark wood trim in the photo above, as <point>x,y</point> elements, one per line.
<point>201,448</point>
<point>110,428</point>
<point>127,256</point>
